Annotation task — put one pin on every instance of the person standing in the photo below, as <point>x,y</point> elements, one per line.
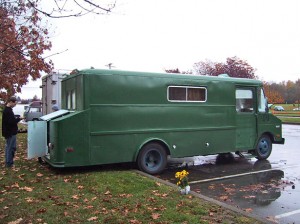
<point>10,130</point>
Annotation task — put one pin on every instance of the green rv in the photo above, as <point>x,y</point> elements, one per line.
<point>111,116</point>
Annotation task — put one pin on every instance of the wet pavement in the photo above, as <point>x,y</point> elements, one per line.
<point>269,189</point>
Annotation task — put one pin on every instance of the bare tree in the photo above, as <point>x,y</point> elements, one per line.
<point>73,8</point>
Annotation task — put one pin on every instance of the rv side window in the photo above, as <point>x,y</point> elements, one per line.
<point>244,100</point>
<point>186,94</point>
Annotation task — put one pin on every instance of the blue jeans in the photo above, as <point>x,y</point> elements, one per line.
<point>10,149</point>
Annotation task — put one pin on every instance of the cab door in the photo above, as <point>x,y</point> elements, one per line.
<point>246,118</point>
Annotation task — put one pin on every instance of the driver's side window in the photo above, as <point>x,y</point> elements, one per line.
<point>244,100</point>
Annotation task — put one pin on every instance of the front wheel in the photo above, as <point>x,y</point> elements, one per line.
<point>152,159</point>
<point>264,148</point>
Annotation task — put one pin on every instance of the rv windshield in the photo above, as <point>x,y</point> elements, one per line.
<point>262,101</point>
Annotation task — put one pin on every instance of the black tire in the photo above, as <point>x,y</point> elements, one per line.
<point>264,148</point>
<point>152,158</point>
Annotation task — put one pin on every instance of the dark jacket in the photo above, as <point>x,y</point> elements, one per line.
<point>9,123</point>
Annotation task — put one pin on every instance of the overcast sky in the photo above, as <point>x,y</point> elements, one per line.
<point>153,35</point>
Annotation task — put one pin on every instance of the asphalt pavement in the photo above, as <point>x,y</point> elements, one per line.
<point>269,190</point>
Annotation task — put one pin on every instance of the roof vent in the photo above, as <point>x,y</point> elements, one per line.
<point>224,75</point>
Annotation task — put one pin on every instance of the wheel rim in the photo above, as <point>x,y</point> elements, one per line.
<point>263,147</point>
<point>153,160</point>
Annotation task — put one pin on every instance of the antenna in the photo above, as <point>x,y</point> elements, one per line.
<point>110,65</point>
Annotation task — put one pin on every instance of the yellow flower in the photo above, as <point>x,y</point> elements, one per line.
<point>182,178</point>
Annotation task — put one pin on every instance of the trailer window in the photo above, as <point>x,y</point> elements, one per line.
<point>186,94</point>
<point>71,100</point>
<point>68,100</point>
<point>244,100</point>
<point>34,109</point>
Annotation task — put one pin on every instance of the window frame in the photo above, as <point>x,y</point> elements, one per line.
<point>243,100</point>
<point>186,94</point>
<point>71,100</point>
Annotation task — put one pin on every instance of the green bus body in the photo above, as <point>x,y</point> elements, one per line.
<point>119,116</point>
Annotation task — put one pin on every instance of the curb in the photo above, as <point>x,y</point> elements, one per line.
<point>211,200</point>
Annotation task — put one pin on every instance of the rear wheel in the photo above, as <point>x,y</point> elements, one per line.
<point>264,147</point>
<point>152,159</point>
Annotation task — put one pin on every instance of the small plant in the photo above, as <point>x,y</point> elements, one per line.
<point>182,178</point>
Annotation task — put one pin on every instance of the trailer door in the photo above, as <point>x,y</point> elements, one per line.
<point>37,139</point>
<point>245,118</point>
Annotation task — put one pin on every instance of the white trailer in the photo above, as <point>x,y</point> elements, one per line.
<point>51,91</point>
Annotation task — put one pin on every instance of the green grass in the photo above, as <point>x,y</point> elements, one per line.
<point>289,120</point>
<point>287,107</point>
<point>35,193</point>
<point>288,115</point>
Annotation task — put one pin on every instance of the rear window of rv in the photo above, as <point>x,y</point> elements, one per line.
<point>186,94</point>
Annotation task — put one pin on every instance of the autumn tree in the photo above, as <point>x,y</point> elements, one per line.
<point>297,98</point>
<point>234,67</point>
<point>272,93</point>
<point>24,39</point>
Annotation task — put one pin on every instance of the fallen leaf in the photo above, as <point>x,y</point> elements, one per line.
<point>107,192</point>
<point>151,199</point>
<point>155,216</point>
<point>50,188</point>
<point>125,195</point>
<point>29,200</point>
<point>272,219</point>
<point>40,174</point>
<point>75,197</point>
<point>80,187</point>
<point>211,187</point>
<point>15,185</point>
<point>28,189</point>
<point>104,211</point>
<point>42,210</point>
<point>21,176</point>
<point>248,210</point>
<point>224,197</point>
<point>94,218</point>
<point>17,221</point>
<point>158,184</point>
<point>134,221</point>
<point>249,196</point>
